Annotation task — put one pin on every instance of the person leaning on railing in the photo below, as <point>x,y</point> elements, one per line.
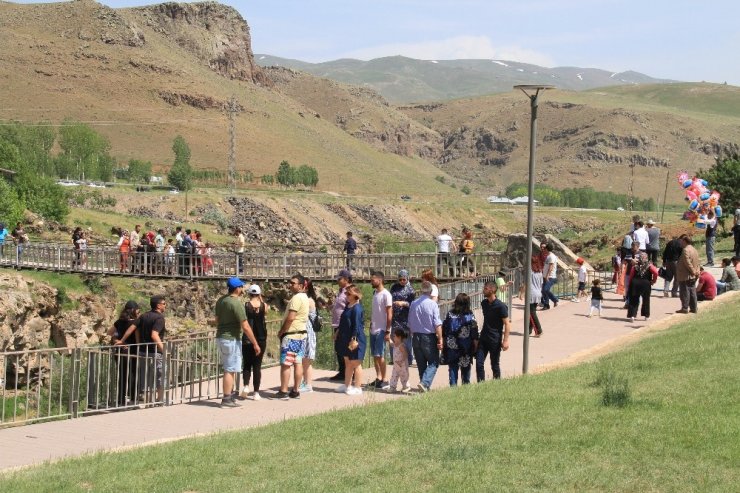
<point>151,333</point>
<point>123,338</point>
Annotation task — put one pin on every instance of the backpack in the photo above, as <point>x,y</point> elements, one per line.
<point>317,322</point>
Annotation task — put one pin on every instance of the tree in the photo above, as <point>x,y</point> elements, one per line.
<point>11,207</point>
<point>41,195</point>
<point>283,175</point>
<point>724,177</point>
<point>139,171</point>
<point>181,173</point>
<point>85,150</point>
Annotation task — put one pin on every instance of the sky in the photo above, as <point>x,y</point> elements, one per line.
<point>683,40</point>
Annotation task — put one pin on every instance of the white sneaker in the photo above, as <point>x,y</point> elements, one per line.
<point>353,391</point>
<point>647,318</point>
<point>341,388</point>
<point>632,319</point>
<point>245,393</point>
<point>406,389</point>
<point>422,388</point>
<point>256,396</point>
<point>589,315</point>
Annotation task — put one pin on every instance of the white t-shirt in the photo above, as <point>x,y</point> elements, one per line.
<point>435,291</point>
<point>443,243</point>
<point>551,259</point>
<point>641,235</point>
<point>582,273</point>
<point>379,320</point>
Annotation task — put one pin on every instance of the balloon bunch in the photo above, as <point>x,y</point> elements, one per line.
<point>701,200</point>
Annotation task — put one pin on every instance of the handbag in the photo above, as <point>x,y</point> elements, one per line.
<point>317,323</point>
<point>353,344</point>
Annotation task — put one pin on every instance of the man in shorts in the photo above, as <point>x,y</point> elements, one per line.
<point>380,327</point>
<point>292,337</point>
<point>231,321</point>
<point>151,332</point>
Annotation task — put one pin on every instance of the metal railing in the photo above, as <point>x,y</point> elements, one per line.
<point>59,383</point>
<point>254,265</point>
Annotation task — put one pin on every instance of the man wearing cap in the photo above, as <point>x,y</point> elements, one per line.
<point>292,337</point>
<point>231,322</point>
<point>344,279</point>
<point>426,334</point>
<point>653,246</point>
<point>380,327</point>
<point>403,294</point>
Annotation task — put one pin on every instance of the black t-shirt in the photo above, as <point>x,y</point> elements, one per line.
<point>596,293</point>
<point>256,319</point>
<point>493,315</point>
<point>149,322</point>
<point>121,325</point>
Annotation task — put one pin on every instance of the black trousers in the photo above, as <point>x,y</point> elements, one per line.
<point>639,288</point>
<point>340,358</point>
<point>534,321</point>
<point>252,363</point>
<point>489,345</point>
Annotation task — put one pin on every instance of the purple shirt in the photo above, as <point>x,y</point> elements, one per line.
<point>340,303</point>
<point>424,315</point>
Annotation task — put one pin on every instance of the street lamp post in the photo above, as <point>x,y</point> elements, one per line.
<point>532,92</point>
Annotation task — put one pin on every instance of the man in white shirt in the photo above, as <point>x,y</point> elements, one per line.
<point>380,327</point>
<point>240,243</point>
<point>641,235</point>
<point>550,276</point>
<point>445,246</point>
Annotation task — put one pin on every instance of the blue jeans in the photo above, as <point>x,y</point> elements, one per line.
<point>454,366</point>
<point>489,344</point>
<point>710,249</point>
<point>427,357</point>
<point>547,295</point>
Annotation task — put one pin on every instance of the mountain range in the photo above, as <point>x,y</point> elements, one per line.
<point>404,80</point>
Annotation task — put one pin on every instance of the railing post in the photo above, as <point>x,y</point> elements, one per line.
<point>74,390</point>
<point>59,258</point>
<point>166,362</point>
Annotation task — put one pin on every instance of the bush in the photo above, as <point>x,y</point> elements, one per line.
<point>465,189</point>
<point>440,178</point>
<point>42,196</point>
<point>215,216</point>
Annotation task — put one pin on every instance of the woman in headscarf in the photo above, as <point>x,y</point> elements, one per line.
<point>641,278</point>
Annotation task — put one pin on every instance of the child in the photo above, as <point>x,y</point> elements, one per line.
<point>169,256</point>
<point>596,298</point>
<point>582,274</point>
<point>400,362</point>
<point>208,259</point>
<point>82,248</point>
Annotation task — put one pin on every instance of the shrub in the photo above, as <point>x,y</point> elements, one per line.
<point>465,189</point>
<point>615,389</point>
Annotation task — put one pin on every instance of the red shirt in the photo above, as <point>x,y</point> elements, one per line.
<point>707,285</point>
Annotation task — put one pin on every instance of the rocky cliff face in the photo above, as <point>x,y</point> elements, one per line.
<point>214,33</point>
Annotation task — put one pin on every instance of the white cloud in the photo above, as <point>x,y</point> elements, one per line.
<point>458,47</point>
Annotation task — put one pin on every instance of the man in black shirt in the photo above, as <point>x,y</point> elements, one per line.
<point>494,336</point>
<point>150,332</point>
<point>670,259</point>
<point>349,247</point>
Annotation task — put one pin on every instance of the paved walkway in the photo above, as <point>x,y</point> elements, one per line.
<point>567,333</point>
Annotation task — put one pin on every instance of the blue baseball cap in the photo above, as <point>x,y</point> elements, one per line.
<point>234,282</point>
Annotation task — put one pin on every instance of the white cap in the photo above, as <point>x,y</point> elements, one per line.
<point>254,289</point>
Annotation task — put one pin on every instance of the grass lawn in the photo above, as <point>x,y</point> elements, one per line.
<point>550,432</point>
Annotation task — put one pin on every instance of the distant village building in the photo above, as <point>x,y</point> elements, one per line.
<point>493,199</point>
<point>157,180</point>
<point>523,200</point>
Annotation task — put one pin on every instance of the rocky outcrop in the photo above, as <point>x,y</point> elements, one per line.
<point>216,34</point>
<point>27,312</point>
<point>200,101</point>
<point>483,144</point>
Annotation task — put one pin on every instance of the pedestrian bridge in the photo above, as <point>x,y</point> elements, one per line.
<point>251,265</point>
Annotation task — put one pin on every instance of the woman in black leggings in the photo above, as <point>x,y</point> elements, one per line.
<point>642,276</point>
<point>256,310</point>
